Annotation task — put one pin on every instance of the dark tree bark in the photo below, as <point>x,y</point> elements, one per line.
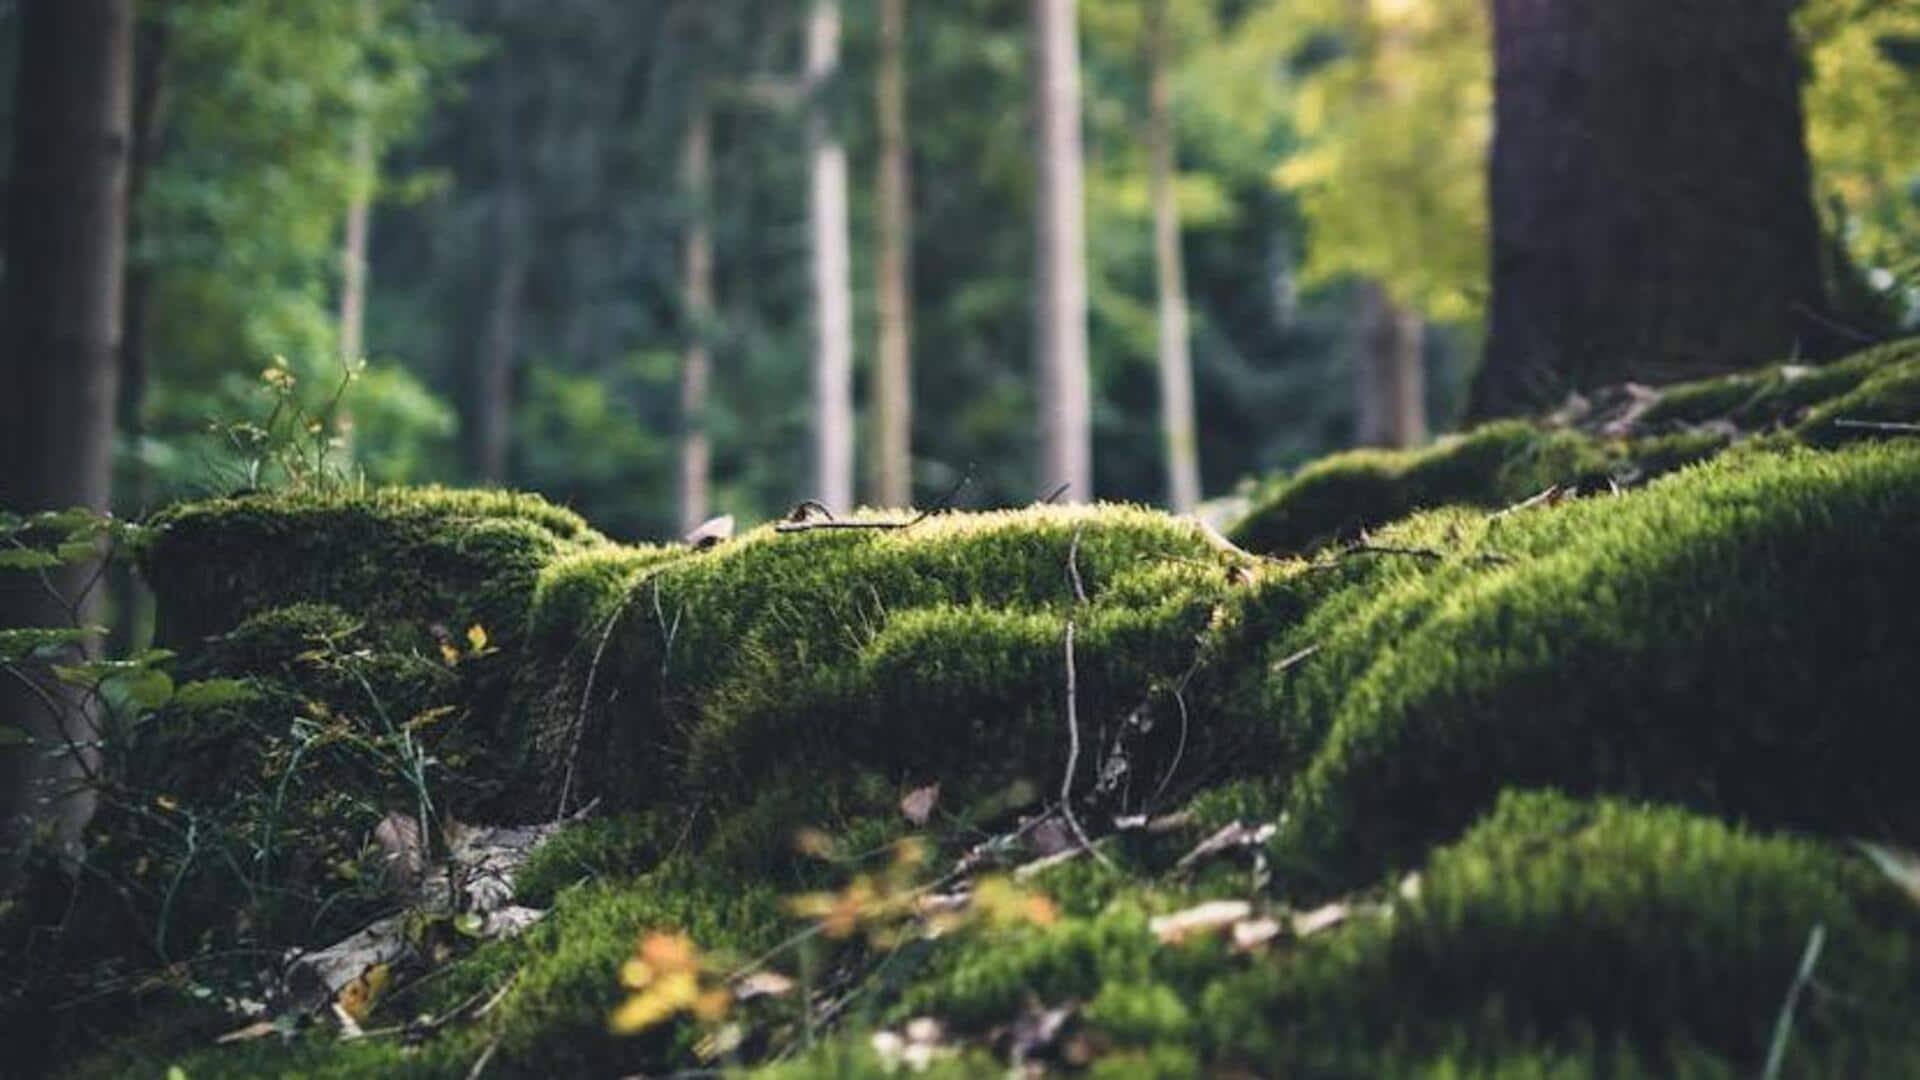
<point>491,397</point>
<point>893,366</point>
<point>1652,215</point>
<point>60,346</point>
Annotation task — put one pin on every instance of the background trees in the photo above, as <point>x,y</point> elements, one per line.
<point>1312,172</point>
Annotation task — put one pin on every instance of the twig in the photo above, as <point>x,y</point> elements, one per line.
<point>1054,495</point>
<point>798,524</point>
<point>1552,492</point>
<point>1783,1027</point>
<point>1073,566</point>
<point>586,698</point>
<point>1073,757</point>
<point>1289,662</point>
<point>485,1058</point>
<point>1879,425</point>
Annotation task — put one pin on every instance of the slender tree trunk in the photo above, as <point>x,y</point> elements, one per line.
<point>696,277</point>
<point>1389,372</point>
<point>832,268</point>
<point>1176,359</point>
<point>1060,265</point>
<point>492,436</point>
<point>1650,194</point>
<point>353,254</point>
<point>893,372</point>
<point>66,253</point>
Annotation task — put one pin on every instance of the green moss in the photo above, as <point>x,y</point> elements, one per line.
<point>1492,466</point>
<point>1759,400</point>
<point>427,556</point>
<point>1890,396</point>
<point>1668,643</point>
<point>936,652</point>
<point>1650,938</point>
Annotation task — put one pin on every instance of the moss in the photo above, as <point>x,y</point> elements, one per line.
<point>426,556</point>
<point>1492,466</point>
<point>936,652</point>
<point>1759,400</point>
<point>1756,695</point>
<point>1891,395</point>
<point>1603,931</point>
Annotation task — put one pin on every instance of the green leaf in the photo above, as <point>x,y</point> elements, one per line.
<point>21,558</point>
<point>22,644</point>
<point>213,694</point>
<point>144,690</point>
<point>74,551</point>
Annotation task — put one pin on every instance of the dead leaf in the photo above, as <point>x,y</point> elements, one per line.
<point>259,1029</point>
<point>1326,917</point>
<point>711,531</point>
<point>1199,919</point>
<point>358,998</point>
<point>917,805</point>
<point>1250,934</point>
<point>761,984</point>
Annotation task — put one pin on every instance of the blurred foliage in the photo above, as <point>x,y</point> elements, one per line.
<point>1319,142</point>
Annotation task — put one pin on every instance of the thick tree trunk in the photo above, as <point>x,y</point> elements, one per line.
<point>696,284</point>
<point>66,253</point>
<point>1650,192</point>
<point>832,268</point>
<point>893,370</point>
<point>1060,267</point>
<point>1176,360</point>
<point>1389,377</point>
<point>353,256</point>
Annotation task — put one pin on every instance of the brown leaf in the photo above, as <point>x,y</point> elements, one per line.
<point>917,805</point>
<point>1199,919</point>
<point>761,984</point>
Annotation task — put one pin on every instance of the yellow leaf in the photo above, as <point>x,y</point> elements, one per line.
<point>711,1007</point>
<point>450,654</point>
<point>358,997</point>
<point>166,802</point>
<point>636,974</point>
<point>477,638</point>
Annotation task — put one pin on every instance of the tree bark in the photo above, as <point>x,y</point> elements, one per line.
<point>1652,217</point>
<point>832,267</point>
<point>1176,360</point>
<point>353,254</point>
<point>66,255</point>
<point>1389,372</point>
<point>893,371</point>
<point>492,410</point>
<point>1060,268</point>
<point>696,283</point>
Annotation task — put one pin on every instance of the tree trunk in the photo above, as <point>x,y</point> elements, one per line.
<point>353,254</point>
<point>1389,378</point>
<point>492,434</point>
<point>66,254</point>
<point>832,268</point>
<point>696,283</point>
<point>1060,267</point>
<point>1650,192</point>
<point>893,371</point>
<point>1176,360</point>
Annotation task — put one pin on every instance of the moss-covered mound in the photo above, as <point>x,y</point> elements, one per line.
<point>1621,438</point>
<point>1566,790</point>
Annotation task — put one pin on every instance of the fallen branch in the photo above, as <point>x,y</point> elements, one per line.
<point>798,522</point>
<point>1879,425</point>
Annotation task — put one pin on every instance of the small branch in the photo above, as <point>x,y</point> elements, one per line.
<point>1548,497</point>
<point>1879,425</point>
<point>1073,757</point>
<point>1783,1027</point>
<point>1054,496</point>
<point>797,522</point>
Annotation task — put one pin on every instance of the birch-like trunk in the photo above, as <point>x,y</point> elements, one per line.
<point>1389,377</point>
<point>1177,426</point>
<point>832,268</point>
<point>1060,265</point>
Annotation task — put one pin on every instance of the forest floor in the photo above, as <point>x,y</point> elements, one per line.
<point>1581,745</point>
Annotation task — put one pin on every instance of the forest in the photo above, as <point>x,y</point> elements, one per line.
<point>993,537</point>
